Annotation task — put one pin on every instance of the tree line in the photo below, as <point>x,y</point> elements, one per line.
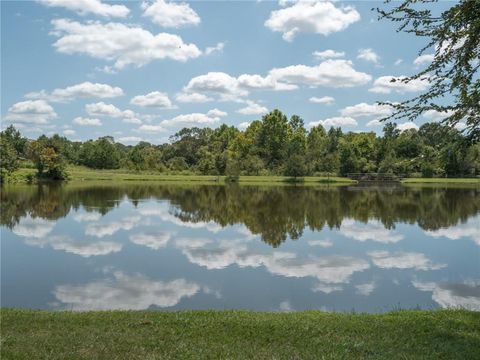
<point>273,145</point>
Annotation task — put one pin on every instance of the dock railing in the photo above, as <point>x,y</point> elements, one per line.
<point>375,177</point>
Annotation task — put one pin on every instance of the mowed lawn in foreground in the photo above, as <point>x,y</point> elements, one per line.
<point>442,334</point>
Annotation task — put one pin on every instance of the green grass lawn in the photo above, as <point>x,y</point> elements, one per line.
<point>441,181</point>
<point>79,173</point>
<point>443,334</point>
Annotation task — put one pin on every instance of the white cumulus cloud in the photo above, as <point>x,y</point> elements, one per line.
<point>253,108</point>
<point>423,59</point>
<point>84,7</point>
<point>216,113</point>
<point>154,99</point>
<point>256,81</point>
<point>31,112</point>
<point>319,17</point>
<point>407,125</point>
<point>147,128</point>
<point>83,90</point>
<point>218,83</point>
<point>69,132</point>
<point>193,119</point>
<point>375,122</point>
<point>434,115</point>
<point>110,110</point>
<point>330,73</point>
<point>334,121</point>
<point>243,125</point>
<point>368,55</point>
<point>103,109</point>
<point>366,110</point>
<point>123,44</point>
<point>322,100</point>
<point>87,121</point>
<point>129,139</point>
<point>328,54</point>
<point>385,85</point>
<point>192,98</point>
<point>170,14</point>
<point>213,49</point>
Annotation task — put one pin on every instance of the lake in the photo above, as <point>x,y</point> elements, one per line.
<point>274,248</point>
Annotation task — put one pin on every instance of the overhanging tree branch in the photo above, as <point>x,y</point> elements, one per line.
<point>453,73</point>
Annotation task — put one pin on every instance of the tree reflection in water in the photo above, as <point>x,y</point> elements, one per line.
<point>273,212</point>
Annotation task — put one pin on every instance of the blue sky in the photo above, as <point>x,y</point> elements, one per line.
<point>143,70</point>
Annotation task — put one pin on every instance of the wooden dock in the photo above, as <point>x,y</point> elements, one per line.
<point>374,177</point>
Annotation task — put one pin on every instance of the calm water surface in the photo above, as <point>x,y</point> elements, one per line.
<point>154,246</point>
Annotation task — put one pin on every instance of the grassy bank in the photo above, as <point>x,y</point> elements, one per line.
<point>78,173</point>
<point>446,334</point>
<point>86,174</point>
<point>441,181</point>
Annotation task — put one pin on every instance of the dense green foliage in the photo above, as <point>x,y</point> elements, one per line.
<point>9,159</point>
<point>47,156</point>
<point>12,146</point>
<point>273,145</point>
<point>445,334</point>
<point>454,38</point>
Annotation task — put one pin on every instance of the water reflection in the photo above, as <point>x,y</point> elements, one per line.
<point>82,248</point>
<point>153,239</point>
<point>275,213</point>
<point>33,227</point>
<point>373,230</point>
<point>100,230</point>
<point>465,295</point>
<point>122,292</point>
<point>403,260</point>
<point>469,230</point>
<point>137,246</point>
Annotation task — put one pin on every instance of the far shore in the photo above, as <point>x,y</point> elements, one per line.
<point>76,174</point>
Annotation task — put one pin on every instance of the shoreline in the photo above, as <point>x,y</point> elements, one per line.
<point>81,175</point>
